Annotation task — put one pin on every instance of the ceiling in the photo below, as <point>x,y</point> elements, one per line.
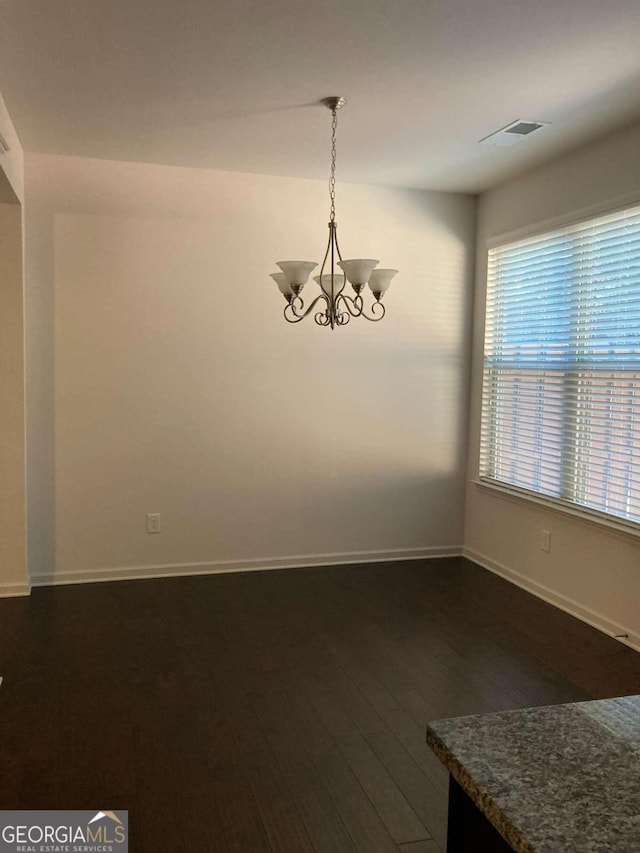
<point>234,84</point>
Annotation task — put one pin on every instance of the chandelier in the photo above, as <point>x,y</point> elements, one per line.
<point>335,306</point>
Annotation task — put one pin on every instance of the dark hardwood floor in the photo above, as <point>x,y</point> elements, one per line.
<point>276,711</point>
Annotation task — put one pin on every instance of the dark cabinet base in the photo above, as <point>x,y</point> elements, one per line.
<point>468,830</point>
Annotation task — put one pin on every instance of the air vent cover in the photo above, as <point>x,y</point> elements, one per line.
<point>514,132</point>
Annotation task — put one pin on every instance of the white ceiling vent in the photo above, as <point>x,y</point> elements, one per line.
<point>3,145</point>
<point>514,132</point>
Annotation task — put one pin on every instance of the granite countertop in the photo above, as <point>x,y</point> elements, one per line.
<point>558,779</point>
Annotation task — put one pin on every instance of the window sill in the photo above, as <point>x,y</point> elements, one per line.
<point>627,529</point>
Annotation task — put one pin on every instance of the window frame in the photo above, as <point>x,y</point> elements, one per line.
<point>578,512</point>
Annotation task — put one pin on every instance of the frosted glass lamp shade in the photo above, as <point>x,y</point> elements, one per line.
<point>358,270</point>
<point>283,285</point>
<point>380,281</point>
<point>297,272</point>
<point>325,283</point>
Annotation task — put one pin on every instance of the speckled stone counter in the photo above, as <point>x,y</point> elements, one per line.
<point>558,779</point>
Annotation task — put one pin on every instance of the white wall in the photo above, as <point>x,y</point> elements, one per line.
<point>591,571</point>
<point>164,379</point>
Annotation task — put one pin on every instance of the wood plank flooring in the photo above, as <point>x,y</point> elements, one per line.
<point>276,711</point>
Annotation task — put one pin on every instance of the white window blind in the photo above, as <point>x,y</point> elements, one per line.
<point>561,393</point>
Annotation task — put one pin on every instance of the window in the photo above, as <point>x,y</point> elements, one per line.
<point>561,393</point>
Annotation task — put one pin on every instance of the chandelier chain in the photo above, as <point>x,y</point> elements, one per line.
<point>332,178</point>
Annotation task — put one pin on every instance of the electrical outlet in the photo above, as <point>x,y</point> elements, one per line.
<point>153,522</point>
<point>545,541</point>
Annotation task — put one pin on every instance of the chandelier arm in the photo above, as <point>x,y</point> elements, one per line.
<point>292,310</point>
<point>377,308</point>
<point>293,318</point>
<point>326,254</point>
<point>352,306</point>
<point>335,238</point>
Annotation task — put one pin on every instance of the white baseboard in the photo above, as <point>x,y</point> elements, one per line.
<point>563,602</point>
<point>12,590</point>
<point>166,570</point>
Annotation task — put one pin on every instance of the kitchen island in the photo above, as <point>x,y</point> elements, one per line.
<point>556,779</point>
